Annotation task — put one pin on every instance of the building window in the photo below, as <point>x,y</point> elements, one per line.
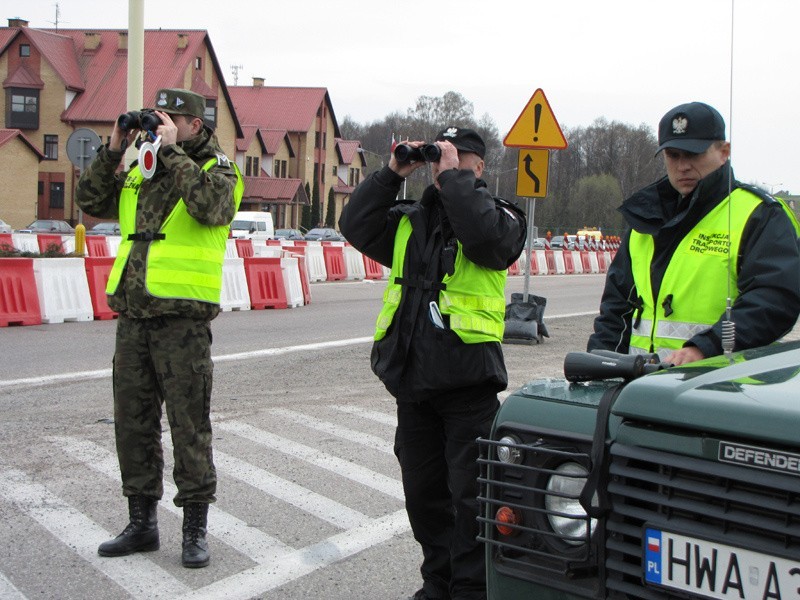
<point>24,50</point>
<point>22,108</point>
<point>355,175</point>
<point>56,194</point>
<point>211,113</point>
<point>198,63</point>
<point>280,168</point>
<point>51,147</point>
<point>316,139</point>
<point>324,139</point>
<point>252,168</point>
<point>334,170</point>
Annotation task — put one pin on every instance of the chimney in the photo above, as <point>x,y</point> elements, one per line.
<point>123,40</point>
<point>17,22</point>
<point>91,40</point>
<point>258,82</point>
<point>183,41</point>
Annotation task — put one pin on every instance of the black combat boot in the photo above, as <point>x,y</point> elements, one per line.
<point>141,534</point>
<point>195,547</point>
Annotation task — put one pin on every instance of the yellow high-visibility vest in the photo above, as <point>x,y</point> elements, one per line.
<point>473,298</point>
<point>187,262</point>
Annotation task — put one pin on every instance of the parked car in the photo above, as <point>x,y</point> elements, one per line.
<point>557,242</point>
<point>541,244</point>
<point>5,227</point>
<point>324,234</point>
<point>288,234</point>
<point>104,229</point>
<point>48,226</point>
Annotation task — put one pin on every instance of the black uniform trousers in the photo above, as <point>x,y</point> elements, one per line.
<point>435,445</point>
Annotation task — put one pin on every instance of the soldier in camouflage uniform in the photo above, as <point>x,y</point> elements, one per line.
<point>165,285</point>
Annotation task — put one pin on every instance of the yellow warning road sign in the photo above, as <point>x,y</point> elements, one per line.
<point>533,166</point>
<point>536,126</point>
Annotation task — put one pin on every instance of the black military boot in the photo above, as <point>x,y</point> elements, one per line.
<point>195,547</point>
<point>141,534</point>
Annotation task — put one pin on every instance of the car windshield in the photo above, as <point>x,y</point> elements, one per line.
<point>104,227</point>
<point>239,224</point>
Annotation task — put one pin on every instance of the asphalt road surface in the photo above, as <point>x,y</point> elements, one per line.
<point>310,503</point>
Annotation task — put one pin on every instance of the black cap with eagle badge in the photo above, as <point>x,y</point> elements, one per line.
<point>466,140</point>
<point>691,127</point>
<point>180,102</point>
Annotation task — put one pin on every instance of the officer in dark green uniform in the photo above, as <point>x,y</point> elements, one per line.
<point>165,284</point>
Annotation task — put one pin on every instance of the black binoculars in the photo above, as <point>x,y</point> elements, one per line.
<point>604,364</point>
<point>426,152</point>
<point>146,120</point>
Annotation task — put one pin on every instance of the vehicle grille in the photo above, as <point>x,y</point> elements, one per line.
<point>535,552</point>
<point>738,506</point>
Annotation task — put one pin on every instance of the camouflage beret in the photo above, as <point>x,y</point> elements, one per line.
<point>180,102</point>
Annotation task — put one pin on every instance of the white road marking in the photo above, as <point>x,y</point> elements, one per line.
<point>101,373</point>
<point>314,504</point>
<point>256,581</point>
<point>372,415</point>
<point>8,591</point>
<point>349,470</point>
<point>250,541</point>
<point>365,439</point>
<point>138,575</point>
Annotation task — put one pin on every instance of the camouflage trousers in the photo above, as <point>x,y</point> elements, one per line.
<point>164,361</point>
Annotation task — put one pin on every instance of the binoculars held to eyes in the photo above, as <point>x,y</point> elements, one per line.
<point>427,152</point>
<point>147,120</point>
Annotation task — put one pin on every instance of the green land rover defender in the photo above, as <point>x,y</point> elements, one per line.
<point>683,482</point>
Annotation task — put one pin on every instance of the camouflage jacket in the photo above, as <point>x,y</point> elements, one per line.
<point>208,196</point>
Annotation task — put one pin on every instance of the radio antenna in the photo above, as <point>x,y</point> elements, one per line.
<point>728,332</point>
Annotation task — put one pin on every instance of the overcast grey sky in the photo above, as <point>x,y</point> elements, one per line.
<point>625,60</point>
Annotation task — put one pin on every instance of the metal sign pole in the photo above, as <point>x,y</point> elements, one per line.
<point>531,208</point>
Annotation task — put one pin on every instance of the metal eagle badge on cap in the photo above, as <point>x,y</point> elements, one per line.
<point>680,125</point>
<point>162,99</point>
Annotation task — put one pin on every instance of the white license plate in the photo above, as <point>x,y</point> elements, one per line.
<point>716,570</point>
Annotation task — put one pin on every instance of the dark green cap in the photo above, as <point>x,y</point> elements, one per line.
<point>180,102</point>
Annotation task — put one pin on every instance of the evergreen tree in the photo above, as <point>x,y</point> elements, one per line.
<point>316,214</point>
<point>330,213</point>
<point>305,219</point>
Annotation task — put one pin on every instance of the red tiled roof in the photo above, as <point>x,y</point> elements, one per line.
<point>273,139</point>
<point>248,131</point>
<point>6,35</point>
<point>6,135</point>
<point>101,73</point>
<point>292,109</point>
<point>342,187</point>
<point>348,150</point>
<point>58,50</point>
<point>24,78</point>
<point>273,189</point>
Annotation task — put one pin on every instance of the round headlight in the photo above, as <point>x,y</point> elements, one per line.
<point>508,453</point>
<point>565,513</point>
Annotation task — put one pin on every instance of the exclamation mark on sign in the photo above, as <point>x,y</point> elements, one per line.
<point>537,116</point>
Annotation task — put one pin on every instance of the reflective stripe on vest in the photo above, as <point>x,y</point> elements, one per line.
<point>473,298</point>
<point>187,263</point>
<point>696,279</point>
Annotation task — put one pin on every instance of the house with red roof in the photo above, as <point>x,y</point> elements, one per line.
<point>20,160</point>
<point>57,81</point>
<point>303,118</point>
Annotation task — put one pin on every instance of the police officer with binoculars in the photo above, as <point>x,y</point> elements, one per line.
<point>438,337</point>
